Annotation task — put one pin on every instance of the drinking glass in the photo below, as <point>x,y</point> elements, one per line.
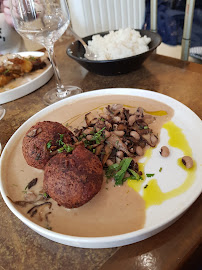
<point>44,21</point>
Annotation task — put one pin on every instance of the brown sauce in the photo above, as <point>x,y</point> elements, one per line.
<point>114,210</point>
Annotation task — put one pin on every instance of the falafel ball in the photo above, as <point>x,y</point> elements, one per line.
<point>42,141</point>
<point>73,179</point>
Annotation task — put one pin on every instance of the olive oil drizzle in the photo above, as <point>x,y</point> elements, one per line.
<point>152,194</point>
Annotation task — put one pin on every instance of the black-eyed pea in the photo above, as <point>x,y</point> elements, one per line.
<point>120,154</point>
<point>165,152</point>
<point>118,160</point>
<point>89,137</point>
<point>135,135</point>
<point>119,133</point>
<point>107,133</point>
<point>131,119</point>
<point>109,162</point>
<point>88,131</point>
<point>117,119</point>
<point>187,161</point>
<point>139,151</point>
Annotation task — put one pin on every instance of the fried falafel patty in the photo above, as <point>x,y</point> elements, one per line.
<point>73,179</point>
<point>35,148</point>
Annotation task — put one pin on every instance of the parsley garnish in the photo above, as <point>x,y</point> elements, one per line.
<point>6,71</point>
<point>135,176</point>
<point>49,144</point>
<point>118,171</point>
<point>45,195</point>
<point>160,169</point>
<point>149,174</point>
<point>97,137</point>
<point>146,127</point>
<point>65,147</point>
<point>60,141</point>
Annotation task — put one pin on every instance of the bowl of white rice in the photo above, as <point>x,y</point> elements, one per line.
<point>117,52</point>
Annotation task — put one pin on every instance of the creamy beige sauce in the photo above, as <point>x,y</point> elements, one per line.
<point>114,210</point>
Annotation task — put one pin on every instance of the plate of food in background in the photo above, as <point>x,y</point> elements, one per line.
<point>104,168</point>
<point>22,73</point>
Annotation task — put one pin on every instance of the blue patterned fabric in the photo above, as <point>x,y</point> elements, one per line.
<point>170,20</point>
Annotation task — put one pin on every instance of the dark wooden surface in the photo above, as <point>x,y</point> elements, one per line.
<point>21,248</point>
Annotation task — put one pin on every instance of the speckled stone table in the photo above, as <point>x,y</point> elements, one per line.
<point>21,248</point>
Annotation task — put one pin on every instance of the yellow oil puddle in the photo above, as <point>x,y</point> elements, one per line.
<point>152,193</point>
<point>157,113</point>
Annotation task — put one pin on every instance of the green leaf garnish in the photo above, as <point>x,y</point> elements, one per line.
<point>68,148</point>
<point>119,176</point>
<point>60,150</point>
<point>112,169</point>
<point>135,176</point>
<point>149,174</point>
<point>98,136</point>
<point>49,144</point>
<point>160,169</point>
<point>45,195</point>
<point>6,71</point>
<point>60,141</point>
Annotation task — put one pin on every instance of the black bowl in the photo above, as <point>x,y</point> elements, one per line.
<point>112,67</point>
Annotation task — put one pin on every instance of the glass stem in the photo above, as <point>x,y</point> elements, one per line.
<point>61,92</point>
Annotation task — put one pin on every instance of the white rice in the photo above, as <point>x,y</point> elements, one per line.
<point>118,44</point>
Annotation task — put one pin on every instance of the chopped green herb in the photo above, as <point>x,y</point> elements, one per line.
<point>81,137</point>
<point>102,119</point>
<point>94,151</point>
<point>149,174</point>
<point>60,150</point>
<point>45,195</point>
<point>6,71</point>
<point>119,176</point>
<point>145,186</point>
<point>49,144</point>
<point>160,169</point>
<point>112,169</point>
<point>135,176</point>
<point>60,141</point>
<point>97,137</point>
<point>146,127</point>
<point>68,148</point>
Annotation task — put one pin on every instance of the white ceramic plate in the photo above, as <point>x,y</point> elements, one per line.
<point>158,217</point>
<point>31,85</point>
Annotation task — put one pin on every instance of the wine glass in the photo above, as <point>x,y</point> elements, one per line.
<point>44,21</point>
<point>2,113</point>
